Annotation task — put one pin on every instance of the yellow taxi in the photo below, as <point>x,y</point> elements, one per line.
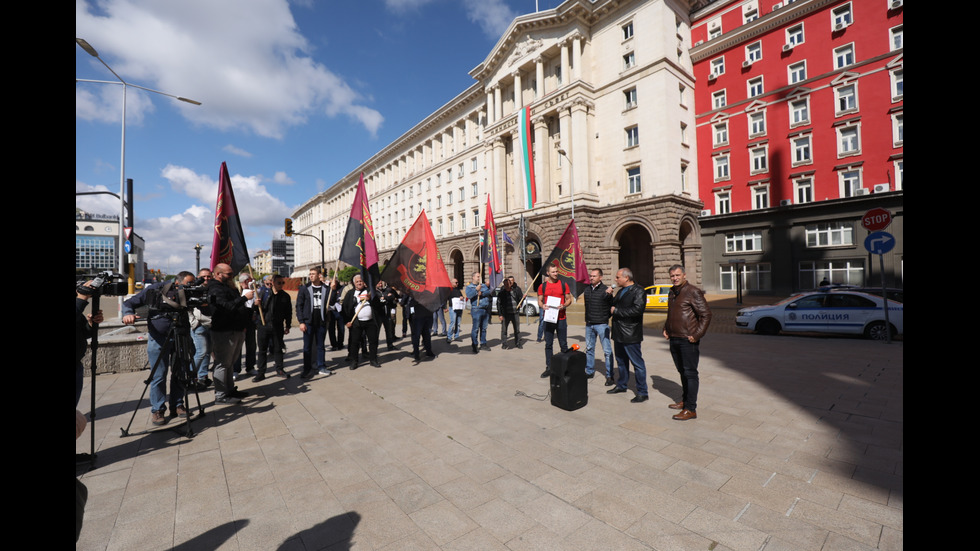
<point>657,297</point>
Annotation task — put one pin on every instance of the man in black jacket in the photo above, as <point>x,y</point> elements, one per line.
<point>627,330</point>
<point>363,308</point>
<point>311,313</point>
<point>229,317</point>
<point>278,311</point>
<point>597,306</point>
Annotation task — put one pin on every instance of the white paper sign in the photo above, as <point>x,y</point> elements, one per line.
<point>551,313</point>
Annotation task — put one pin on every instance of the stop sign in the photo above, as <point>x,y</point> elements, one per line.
<point>876,219</point>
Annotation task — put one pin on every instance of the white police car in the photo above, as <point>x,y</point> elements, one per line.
<point>825,312</point>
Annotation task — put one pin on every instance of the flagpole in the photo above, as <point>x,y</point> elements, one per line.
<point>255,294</point>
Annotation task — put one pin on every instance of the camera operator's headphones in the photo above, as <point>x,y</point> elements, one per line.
<point>181,301</point>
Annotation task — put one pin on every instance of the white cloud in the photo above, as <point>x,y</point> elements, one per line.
<point>282,179</point>
<point>493,16</point>
<point>96,204</point>
<point>103,103</point>
<point>236,151</point>
<point>245,60</point>
<point>256,206</point>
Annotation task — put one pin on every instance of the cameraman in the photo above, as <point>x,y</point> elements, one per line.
<point>229,318</point>
<point>159,325</point>
<point>83,330</point>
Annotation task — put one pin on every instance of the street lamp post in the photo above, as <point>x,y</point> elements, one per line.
<point>122,152</point>
<point>571,179</point>
<point>197,261</point>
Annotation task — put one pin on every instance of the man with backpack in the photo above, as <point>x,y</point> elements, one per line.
<point>554,287</point>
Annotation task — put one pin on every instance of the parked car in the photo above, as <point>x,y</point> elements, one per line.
<point>530,305</point>
<point>834,311</point>
<point>657,297</point>
<point>898,295</point>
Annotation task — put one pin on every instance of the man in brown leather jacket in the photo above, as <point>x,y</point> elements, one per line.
<point>688,317</point>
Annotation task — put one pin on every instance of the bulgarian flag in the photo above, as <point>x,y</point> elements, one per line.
<point>525,157</point>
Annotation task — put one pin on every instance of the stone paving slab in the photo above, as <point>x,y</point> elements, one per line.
<point>798,445</point>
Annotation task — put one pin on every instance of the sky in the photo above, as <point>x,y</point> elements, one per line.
<point>295,95</point>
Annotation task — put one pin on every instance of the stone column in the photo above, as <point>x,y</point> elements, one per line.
<point>518,96</point>
<point>576,57</point>
<point>498,159</point>
<point>580,146</point>
<point>490,118</point>
<point>565,130</point>
<point>565,76</point>
<point>542,160</point>
<point>539,75</point>
<point>498,108</point>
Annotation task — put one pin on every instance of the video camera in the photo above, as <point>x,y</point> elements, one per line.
<point>104,284</point>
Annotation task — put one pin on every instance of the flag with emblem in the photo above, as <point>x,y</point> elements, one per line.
<point>359,248</point>
<point>228,246</point>
<point>416,267</point>
<point>567,256</point>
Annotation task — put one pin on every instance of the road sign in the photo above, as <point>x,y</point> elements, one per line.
<point>876,219</point>
<point>879,242</point>
<point>128,246</point>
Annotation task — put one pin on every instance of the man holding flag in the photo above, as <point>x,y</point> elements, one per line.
<point>566,275</point>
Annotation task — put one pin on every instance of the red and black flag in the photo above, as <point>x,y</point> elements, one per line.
<point>417,269</point>
<point>567,256</point>
<point>359,248</point>
<point>228,246</point>
<point>490,254</point>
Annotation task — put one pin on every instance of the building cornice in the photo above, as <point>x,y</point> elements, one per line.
<point>760,26</point>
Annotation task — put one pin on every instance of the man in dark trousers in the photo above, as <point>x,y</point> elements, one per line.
<point>421,328</point>
<point>278,311</point>
<point>627,330</point>
<point>229,318</point>
<point>311,313</point>
<point>688,317</point>
<point>362,310</point>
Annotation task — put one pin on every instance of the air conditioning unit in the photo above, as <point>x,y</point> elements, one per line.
<point>882,188</point>
<point>839,27</point>
<point>746,64</point>
<point>712,76</point>
<point>860,191</point>
<point>699,42</point>
<point>706,212</point>
<point>895,4</point>
<point>776,6</point>
<point>787,47</point>
<point>785,202</point>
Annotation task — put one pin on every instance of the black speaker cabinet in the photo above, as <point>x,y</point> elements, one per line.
<point>569,387</point>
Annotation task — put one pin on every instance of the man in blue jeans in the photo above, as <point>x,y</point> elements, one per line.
<point>479,295</point>
<point>627,330</point>
<point>597,305</point>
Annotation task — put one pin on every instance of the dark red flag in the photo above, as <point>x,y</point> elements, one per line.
<point>490,253</point>
<point>567,256</point>
<point>228,246</point>
<point>359,248</point>
<point>417,268</point>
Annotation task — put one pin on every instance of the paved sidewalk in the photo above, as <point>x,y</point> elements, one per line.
<point>799,445</point>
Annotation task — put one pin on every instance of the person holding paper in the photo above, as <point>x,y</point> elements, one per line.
<point>555,296</point>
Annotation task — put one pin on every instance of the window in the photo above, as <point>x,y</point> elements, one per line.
<point>829,234</point>
<point>897,131</point>
<point>840,271</point>
<point>476,218</point>
<point>753,52</point>
<point>721,134</point>
<point>630,98</point>
<point>799,112</point>
<point>794,35</point>
<point>755,87</point>
<point>438,180</point>
<point>850,182</point>
<point>897,42</point>
<point>750,11</point>
<point>440,227</point>
<point>755,277</point>
<point>428,205</point>
<point>452,224</point>
<point>718,66</point>
<point>723,202</point>
<point>744,242</point>
<point>628,31</point>
<point>846,99</point>
<point>633,180</point>
<point>714,28</point>
<point>449,175</point>
<point>804,190</point>
<point>681,90</point>
<point>898,77</point>
<point>718,99</point>
<point>462,221</point>
<point>848,141</point>
<point>841,17</point>
<point>721,167</point>
<point>759,157</point>
<point>683,176</point>
<point>683,134</point>
<point>439,202</point>
<point>449,198</point>
<point>757,124</point>
<point>801,151</point>
<point>797,72</point>
<point>760,197</point>
<point>474,189</point>
<point>428,184</point>
<point>844,56</point>
<point>632,136</point>
<point>899,173</point>
<point>473,164</point>
<point>459,170</point>
<point>629,61</point>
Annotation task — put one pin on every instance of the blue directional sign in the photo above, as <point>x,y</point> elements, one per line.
<point>128,246</point>
<point>879,242</point>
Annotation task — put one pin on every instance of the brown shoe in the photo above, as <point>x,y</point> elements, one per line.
<point>678,405</point>
<point>157,418</point>
<point>686,414</point>
<point>181,411</point>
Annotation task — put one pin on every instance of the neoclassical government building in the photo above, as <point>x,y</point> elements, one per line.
<point>608,91</point>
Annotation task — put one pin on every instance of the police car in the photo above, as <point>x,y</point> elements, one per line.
<point>825,312</point>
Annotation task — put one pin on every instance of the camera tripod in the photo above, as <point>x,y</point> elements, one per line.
<point>178,353</point>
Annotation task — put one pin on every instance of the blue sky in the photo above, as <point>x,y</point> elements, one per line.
<point>295,96</point>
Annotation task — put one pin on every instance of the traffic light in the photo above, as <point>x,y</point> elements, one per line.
<point>289,227</point>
